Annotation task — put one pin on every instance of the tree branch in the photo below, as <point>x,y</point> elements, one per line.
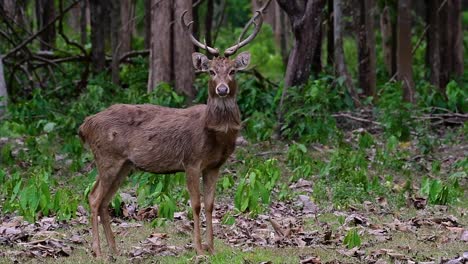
<point>35,35</point>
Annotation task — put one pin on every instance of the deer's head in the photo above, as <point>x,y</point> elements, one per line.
<point>222,70</point>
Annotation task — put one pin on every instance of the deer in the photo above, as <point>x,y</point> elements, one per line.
<point>196,140</point>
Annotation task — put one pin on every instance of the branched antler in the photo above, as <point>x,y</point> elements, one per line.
<point>258,15</point>
<point>195,42</point>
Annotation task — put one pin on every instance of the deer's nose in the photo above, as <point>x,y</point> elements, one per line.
<point>222,90</point>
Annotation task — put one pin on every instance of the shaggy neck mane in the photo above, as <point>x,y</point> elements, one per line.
<point>223,115</point>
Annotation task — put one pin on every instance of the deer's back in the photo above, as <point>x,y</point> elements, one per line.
<point>153,138</point>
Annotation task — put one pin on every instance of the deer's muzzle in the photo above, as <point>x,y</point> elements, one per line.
<point>222,90</point>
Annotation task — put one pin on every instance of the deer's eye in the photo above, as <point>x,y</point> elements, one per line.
<point>232,72</point>
<point>212,73</point>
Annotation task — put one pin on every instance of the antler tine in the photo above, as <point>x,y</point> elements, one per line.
<point>195,42</point>
<point>258,15</point>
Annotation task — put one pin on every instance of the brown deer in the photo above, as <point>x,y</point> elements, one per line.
<point>197,140</point>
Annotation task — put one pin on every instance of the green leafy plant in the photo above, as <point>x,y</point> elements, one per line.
<point>254,190</point>
<point>438,192</point>
<point>352,239</point>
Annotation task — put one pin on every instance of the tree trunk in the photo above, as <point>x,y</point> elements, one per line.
<point>330,35</point>
<point>366,47</point>
<point>433,49</point>
<point>182,52</point>
<point>45,12</point>
<point>83,22</point>
<point>455,23</point>
<point>209,24</point>
<point>147,24</point>
<point>317,59</point>
<point>116,36</point>
<point>127,14</point>
<point>340,63</point>
<point>160,50</point>
<point>98,34</point>
<point>3,90</point>
<point>306,22</point>
<point>445,33</point>
<point>282,32</point>
<point>404,50</point>
<point>388,40</point>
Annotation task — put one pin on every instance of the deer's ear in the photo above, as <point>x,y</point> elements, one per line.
<point>242,60</point>
<point>200,62</point>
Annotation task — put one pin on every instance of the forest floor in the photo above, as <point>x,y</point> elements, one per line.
<point>298,229</point>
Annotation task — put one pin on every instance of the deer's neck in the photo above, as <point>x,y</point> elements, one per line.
<point>223,115</point>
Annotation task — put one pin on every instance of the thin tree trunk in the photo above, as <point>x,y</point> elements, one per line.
<point>83,22</point>
<point>209,24</point>
<point>98,35</point>
<point>45,12</point>
<point>366,47</point>
<point>148,21</point>
<point>281,32</point>
<point>127,14</point>
<point>456,38</point>
<point>3,90</point>
<point>182,52</point>
<point>388,40</point>
<point>196,24</point>
<point>433,49</point>
<point>317,59</point>
<point>445,33</point>
<point>330,35</point>
<point>404,54</point>
<point>116,36</point>
<point>160,48</point>
<point>340,63</point>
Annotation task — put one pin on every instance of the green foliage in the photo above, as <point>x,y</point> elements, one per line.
<point>394,113</point>
<point>254,189</point>
<point>438,192</point>
<point>164,190</point>
<point>32,196</point>
<point>300,162</point>
<point>308,117</point>
<point>352,239</point>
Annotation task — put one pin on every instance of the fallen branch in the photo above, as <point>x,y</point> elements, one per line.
<point>346,115</point>
<point>35,35</point>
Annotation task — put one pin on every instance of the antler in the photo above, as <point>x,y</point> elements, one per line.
<point>258,15</point>
<point>195,42</point>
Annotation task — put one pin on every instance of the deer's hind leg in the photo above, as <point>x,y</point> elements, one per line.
<point>109,179</point>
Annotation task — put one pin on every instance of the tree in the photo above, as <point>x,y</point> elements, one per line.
<point>340,63</point>
<point>182,52</point>
<point>171,48</point>
<point>98,35</point>
<point>83,21</point>
<point>433,41</point>
<point>3,89</point>
<point>455,24</point>
<point>366,47</point>
<point>388,30</point>
<point>128,22</point>
<point>45,12</point>
<point>330,35</point>
<point>116,38</point>
<point>306,25</point>
<point>404,50</point>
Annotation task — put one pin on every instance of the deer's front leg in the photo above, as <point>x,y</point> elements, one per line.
<point>193,185</point>
<point>209,187</point>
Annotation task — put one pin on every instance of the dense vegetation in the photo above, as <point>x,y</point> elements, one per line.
<point>387,150</point>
